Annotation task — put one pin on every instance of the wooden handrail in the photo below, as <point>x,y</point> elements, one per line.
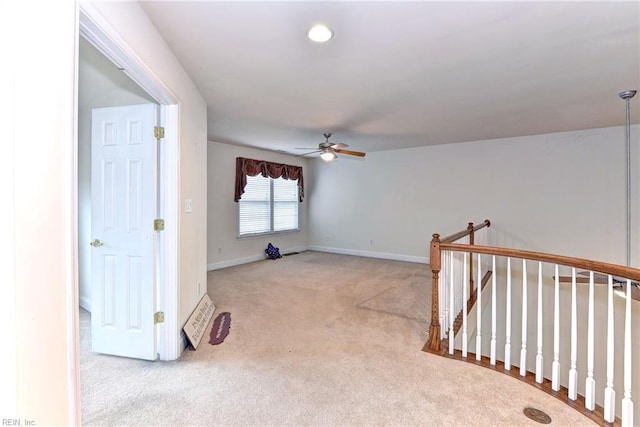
<point>600,267</point>
<point>460,234</point>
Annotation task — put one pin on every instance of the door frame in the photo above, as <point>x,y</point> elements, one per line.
<point>97,31</point>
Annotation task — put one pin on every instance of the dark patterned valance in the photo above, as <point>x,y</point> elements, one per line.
<point>250,167</point>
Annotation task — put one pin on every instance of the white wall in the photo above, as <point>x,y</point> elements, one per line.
<point>38,305</point>
<point>100,84</point>
<point>224,246</point>
<point>562,193</point>
<point>132,24</point>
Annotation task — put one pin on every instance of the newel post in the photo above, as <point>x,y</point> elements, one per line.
<point>434,329</point>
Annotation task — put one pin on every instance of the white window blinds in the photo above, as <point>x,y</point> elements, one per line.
<point>285,204</point>
<point>255,206</point>
<point>268,205</point>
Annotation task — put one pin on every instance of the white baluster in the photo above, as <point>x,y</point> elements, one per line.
<point>539,358</point>
<point>479,311</point>
<point>523,350</point>
<point>454,285</point>
<point>460,285</point>
<point>573,371</point>
<point>459,282</point>
<point>465,281</point>
<point>590,383</point>
<point>450,312</point>
<point>609,392</point>
<point>627,403</point>
<point>445,283</point>
<point>493,310</point>
<point>555,366</point>
<point>445,280</point>
<point>451,300</point>
<point>507,343</point>
<point>456,303</point>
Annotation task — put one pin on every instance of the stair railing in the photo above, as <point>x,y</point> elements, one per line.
<point>449,296</point>
<point>618,279</point>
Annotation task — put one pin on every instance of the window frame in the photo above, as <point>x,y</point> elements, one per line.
<point>271,214</point>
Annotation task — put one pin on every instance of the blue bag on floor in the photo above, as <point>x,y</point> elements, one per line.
<point>272,252</point>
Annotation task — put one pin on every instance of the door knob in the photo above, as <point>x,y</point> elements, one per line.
<point>96,243</point>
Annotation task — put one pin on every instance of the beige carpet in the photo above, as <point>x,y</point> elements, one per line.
<point>316,339</point>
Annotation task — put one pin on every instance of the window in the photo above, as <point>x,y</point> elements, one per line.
<point>268,205</point>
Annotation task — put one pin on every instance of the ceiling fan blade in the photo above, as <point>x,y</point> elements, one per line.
<point>339,146</point>
<point>351,153</point>
<point>305,148</point>
<point>306,154</point>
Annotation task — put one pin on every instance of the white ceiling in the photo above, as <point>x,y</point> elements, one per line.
<point>404,74</point>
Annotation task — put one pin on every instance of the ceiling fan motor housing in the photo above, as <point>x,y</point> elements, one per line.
<point>324,145</point>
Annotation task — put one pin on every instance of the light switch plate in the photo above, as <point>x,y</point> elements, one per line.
<point>187,205</point>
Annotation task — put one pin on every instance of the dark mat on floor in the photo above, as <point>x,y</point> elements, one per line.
<point>220,328</point>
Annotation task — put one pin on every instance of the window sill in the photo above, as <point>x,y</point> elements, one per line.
<point>268,233</point>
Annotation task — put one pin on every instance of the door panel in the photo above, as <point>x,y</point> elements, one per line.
<point>123,208</point>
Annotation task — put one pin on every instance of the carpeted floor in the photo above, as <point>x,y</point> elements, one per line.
<point>315,339</point>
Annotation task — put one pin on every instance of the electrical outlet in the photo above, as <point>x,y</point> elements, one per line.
<point>188,205</point>
<point>219,250</point>
<point>371,242</point>
<point>327,238</point>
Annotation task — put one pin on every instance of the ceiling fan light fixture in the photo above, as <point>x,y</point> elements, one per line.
<point>328,156</point>
<point>320,33</point>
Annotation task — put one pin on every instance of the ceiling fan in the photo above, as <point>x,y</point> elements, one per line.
<point>328,150</point>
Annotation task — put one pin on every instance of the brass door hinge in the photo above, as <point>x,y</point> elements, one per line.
<point>158,225</point>
<point>158,317</point>
<point>158,132</point>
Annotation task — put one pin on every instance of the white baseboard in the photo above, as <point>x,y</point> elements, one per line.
<point>292,250</point>
<point>85,303</point>
<point>234,262</point>
<point>355,252</point>
<point>371,254</point>
<point>253,258</point>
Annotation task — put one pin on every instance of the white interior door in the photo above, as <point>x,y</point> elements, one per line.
<point>123,209</point>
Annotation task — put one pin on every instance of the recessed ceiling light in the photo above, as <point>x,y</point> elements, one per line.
<point>320,33</point>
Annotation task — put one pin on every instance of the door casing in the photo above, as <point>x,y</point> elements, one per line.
<point>95,29</point>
